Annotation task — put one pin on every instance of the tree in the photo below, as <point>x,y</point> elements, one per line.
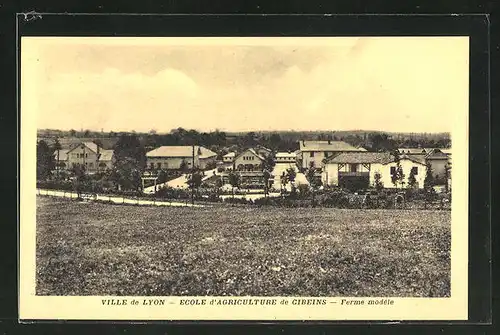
<point>195,179</point>
<point>379,185</point>
<point>398,176</point>
<point>428,184</point>
<point>380,142</point>
<point>56,147</point>
<point>274,141</point>
<point>314,182</point>
<point>429,178</point>
<point>217,186</point>
<point>412,181</point>
<point>269,161</point>
<point>80,178</point>
<point>447,169</point>
<point>44,160</point>
<point>234,181</point>
<point>291,175</point>
<point>266,175</point>
<point>183,166</point>
<point>130,161</point>
<point>283,181</point>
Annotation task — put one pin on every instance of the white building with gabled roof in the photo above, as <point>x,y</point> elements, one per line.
<point>172,157</point>
<point>314,152</point>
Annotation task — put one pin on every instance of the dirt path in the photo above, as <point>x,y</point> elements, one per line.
<point>117,199</point>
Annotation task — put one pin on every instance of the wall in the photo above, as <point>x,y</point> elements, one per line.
<point>385,171</point>
<point>171,163</point>
<point>330,173</point>
<point>438,167</point>
<point>317,159</point>
<point>90,159</point>
<point>247,157</point>
<point>285,160</point>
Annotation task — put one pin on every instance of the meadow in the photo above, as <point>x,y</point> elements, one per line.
<point>90,248</point>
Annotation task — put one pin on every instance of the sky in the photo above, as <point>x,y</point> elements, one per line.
<point>401,84</point>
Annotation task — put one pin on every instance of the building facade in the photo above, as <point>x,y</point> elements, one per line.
<point>358,170</point>
<point>314,152</point>
<point>248,160</point>
<point>286,157</point>
<point>178,157</point>
<point>87,154</point>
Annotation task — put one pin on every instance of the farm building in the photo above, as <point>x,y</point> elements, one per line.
<point>88,154</point>
<point>313,152</point>
<point>439,159</point>
<point>248,160</point>
<point>173,157</point>
<point>356,170</point>
<point>286,157</point>
<point>229,157</point>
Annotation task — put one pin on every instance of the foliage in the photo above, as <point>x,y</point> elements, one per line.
<point>429,178</point>
<point>183,166</point>
<point>378,183</point>
<point>44,160</point>
<point>234,180</point>
<point>266,175</point>
<point>412,181</point>
<point>195,179</point>
<point>447,172</point>
<point>397,178</point>
<point>269,161</point>
<point>130,161</point>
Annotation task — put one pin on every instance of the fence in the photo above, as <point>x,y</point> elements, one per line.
<point>114,198</point>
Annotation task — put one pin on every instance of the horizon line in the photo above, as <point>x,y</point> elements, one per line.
<point>245,131</point>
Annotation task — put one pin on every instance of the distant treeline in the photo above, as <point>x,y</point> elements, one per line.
<point>276,140</point>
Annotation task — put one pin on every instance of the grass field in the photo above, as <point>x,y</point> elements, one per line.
<point>100,249</point>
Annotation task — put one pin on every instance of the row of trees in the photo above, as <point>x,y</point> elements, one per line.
<point>278,141</point>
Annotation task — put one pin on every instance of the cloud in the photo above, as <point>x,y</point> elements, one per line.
<point>394,84</point>
<point>114,99</point>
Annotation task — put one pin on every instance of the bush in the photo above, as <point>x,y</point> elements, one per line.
<point>238,201</point>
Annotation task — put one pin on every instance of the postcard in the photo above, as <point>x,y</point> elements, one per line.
<point>244,178</point>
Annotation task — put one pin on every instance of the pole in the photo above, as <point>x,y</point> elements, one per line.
<point>192,179</point>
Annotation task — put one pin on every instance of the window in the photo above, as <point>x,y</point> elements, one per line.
<point>311,154</point>
<point>414,170</point>
<point>86,155</point>
<point>393,170</point>
<point>353,167</point>
<point>158,165</point>
<point>91,165</point>
<point>152,166</point>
